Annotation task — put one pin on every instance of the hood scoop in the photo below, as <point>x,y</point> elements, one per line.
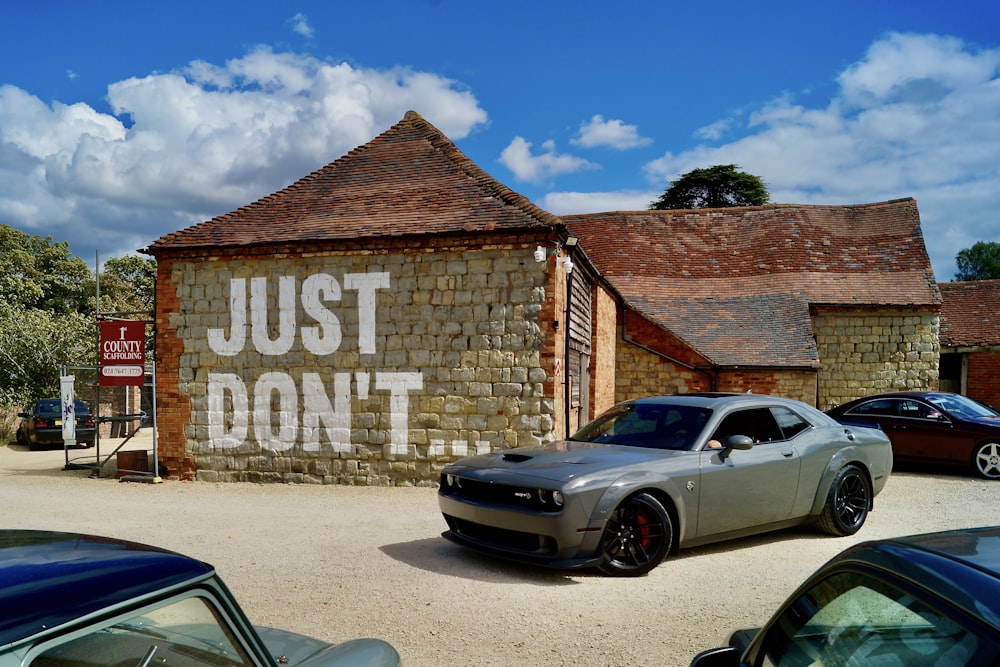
<point>516,458</point>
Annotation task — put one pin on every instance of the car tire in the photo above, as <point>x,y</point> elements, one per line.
<point>638,536</point>
<point>847,502</point>
<point>986,460</point>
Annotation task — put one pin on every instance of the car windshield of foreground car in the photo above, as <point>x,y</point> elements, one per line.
<point>854,619</point>
<point>963,406</point>
<point>185,632</point>
<point>656,425</point>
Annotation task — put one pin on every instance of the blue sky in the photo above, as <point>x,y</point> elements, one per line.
<point>121,122</point>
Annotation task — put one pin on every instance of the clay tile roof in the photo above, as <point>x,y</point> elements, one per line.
<point>970,313</point>
<point>732,262</point>
<point>409,180</point>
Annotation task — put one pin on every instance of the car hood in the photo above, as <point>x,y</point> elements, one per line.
<point>564,460</point>
<point>302,651</point>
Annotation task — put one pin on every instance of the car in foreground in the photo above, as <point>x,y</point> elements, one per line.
<point>72,600</point>
<point>933,427</point>
<point>925,600</point>
<point>42,425</point>
<point>656,474</point>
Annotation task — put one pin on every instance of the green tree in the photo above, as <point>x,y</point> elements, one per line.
<point>36,272</point>
<point>47,310</point>
<point>34,343</point>
<point>128,286</point>
<point>980,262</point>
<point>721,186</point>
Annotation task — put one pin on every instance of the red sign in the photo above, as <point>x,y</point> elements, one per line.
<point>123,353</point>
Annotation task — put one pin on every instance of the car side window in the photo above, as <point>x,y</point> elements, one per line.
<point>852,618</point>
<point>756,423</point>
<point>186,632</point>
<point>883,407</point>
<point>790,423</point>
<point>918,410</point>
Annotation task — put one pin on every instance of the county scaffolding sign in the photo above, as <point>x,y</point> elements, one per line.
<point>123,353</point>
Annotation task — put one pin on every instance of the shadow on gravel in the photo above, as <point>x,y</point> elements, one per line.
<point>440,556</point>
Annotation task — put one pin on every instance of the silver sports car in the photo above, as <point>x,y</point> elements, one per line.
<point>653,475</point>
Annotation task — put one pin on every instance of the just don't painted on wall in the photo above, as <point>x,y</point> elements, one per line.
<point>435,355</point>
<point>321,417</point>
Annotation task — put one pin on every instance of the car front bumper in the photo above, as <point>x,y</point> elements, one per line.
<point>563,540</point>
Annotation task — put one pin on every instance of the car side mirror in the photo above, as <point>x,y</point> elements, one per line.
<point>735,442</point>
<point>717,657</point>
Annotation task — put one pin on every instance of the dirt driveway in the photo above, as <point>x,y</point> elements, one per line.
<point>340,562</point>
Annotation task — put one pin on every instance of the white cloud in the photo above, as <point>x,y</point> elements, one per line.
<point>611,133</point>
<point>300,24</point>
<point>918,116</point>
<point>568,203</point>
<point>536,168</point>
<point>186,145</point>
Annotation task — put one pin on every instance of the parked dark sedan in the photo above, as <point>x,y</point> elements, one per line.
<point>928,600</point>
<point>68,599</point>
<point>932,427</point>
<point>43,424</point>
<point>656,474</point>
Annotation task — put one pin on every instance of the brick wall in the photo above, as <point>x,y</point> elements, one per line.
<point>868,352</point>
<point>983,377</point>
<point>356,368</point>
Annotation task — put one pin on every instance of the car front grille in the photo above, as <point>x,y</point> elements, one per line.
<point>499,495</point>
<point>529,544</point>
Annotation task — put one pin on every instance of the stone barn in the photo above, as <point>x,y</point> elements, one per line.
<point>399,309</point>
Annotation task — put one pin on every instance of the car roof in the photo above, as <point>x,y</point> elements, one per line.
<point>708,399</point>
<point>48,578</point>
<point>962,566</point>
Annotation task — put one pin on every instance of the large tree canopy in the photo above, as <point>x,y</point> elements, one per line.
<point>980,262</point>
<point>721,186</point>
<point>47,310</point>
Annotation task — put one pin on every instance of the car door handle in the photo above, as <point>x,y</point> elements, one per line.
<point>787,453</point>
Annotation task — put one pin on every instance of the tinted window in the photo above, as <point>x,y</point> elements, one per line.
<point>756,423</point>
<point>882,407</point>
<point>790,423</point>
<point>661,426</point>
<point>854,619</point>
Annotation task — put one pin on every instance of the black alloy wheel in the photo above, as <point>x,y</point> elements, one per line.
<point>847,502</point>
<point>637,537</point>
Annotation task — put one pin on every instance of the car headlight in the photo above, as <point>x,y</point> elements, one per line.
<point>558,499</point>
<point>453,481</point>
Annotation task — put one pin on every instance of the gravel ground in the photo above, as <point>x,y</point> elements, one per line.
<point>340,562</point>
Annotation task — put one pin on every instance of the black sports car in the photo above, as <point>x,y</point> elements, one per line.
<point>933,427</point>
<point>930,599</point>
<point>657,474</point>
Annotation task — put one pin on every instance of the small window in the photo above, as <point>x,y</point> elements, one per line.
<point>854,619</point>
<point>881,407</point>
<point>790,423</point>
<point>756,423</point>
<point>185,633</point>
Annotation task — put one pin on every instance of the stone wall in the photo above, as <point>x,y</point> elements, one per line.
<point>356,368</point>
<point>868,352</point>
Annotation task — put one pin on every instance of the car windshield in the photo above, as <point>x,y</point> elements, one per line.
<point>962,406</point>
<point>656,425</point>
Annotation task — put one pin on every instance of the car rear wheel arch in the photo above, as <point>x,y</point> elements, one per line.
<point>840,514</point>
